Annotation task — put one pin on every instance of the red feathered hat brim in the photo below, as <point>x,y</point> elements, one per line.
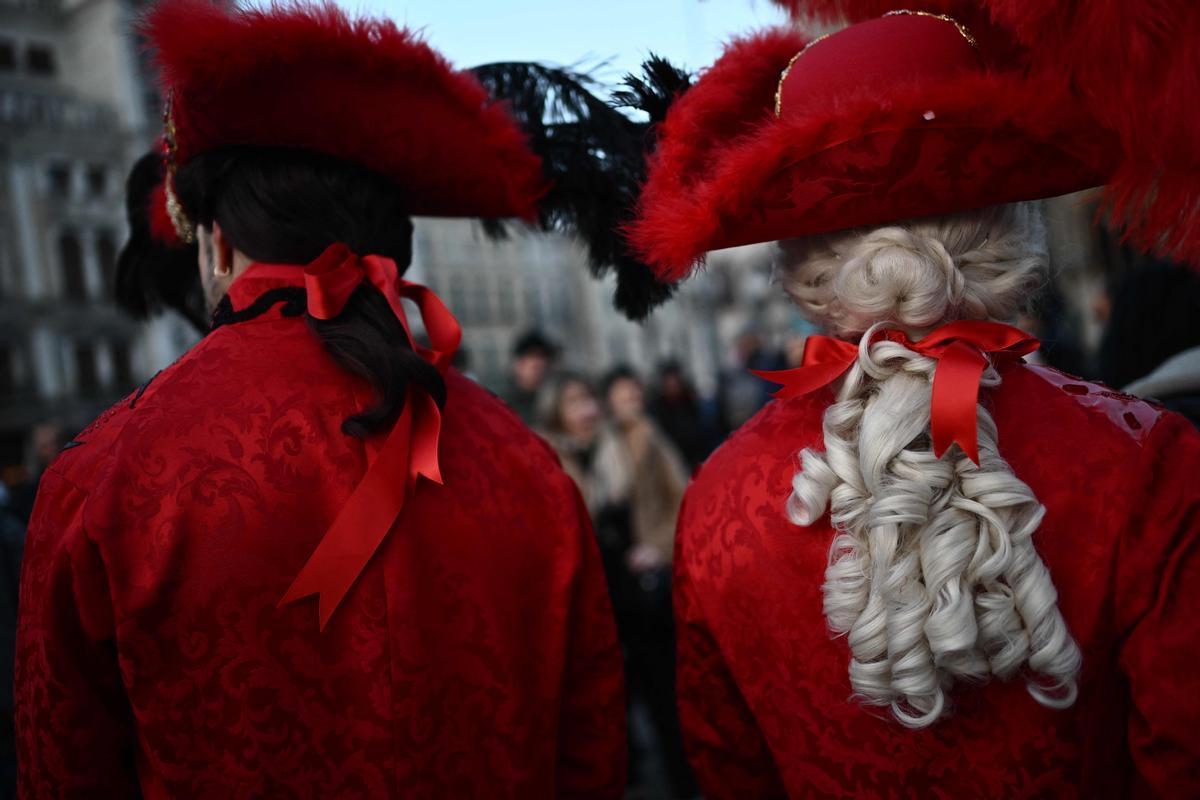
<point>976,142</point>
<point>310,78</point>
<point>730,172</point>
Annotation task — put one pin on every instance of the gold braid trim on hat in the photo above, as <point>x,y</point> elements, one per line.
<point>783,75</point>
<point>962,29</point>
<point>184,228</point>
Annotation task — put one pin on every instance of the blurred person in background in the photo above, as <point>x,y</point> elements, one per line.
<point>741,394</point>
<point>633,480</point>
<point>46,440</point>
<point>17,502</point>
<point>793,345</point>
<point>572,420</point>
<point>251,576</point>
<point>652,469</point>
<point>1048,318</point>
<point>677,409</point>
<point>533,358</point>
<point>929,568</point>
<point>12,542</point>
<point>1151,345</point>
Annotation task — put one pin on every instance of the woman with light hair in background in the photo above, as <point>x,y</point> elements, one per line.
<point>929,568</point>
<point>632,479</point>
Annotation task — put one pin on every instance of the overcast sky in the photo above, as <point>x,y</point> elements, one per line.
<point>470,32</point>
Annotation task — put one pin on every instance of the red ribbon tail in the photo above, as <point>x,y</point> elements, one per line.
<point>802,380</point>
<point>410,450</point>
<point>361,526</point>
<point>426,432</point>
<point>953,414</point>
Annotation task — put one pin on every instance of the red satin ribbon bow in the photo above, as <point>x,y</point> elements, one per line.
<point>410,450</point>
<point>959,349</point>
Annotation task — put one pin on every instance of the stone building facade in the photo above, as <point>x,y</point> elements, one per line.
<point>77,106</point>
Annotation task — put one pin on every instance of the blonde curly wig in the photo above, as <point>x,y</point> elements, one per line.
<point>933,576</point>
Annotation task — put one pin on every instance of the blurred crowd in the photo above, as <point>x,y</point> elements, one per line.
<point>630,452</point>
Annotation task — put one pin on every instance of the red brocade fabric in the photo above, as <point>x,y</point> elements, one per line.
<point>763,687</point>
<point>474,657</point>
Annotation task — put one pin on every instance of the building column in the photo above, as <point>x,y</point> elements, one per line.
<point>105,371</point>
<point>46,359</point>
<point>23,193</point>
<point>93,279</point>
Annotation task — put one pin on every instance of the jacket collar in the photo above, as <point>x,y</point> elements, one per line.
<point>262,291</point>
<point>258,279</point>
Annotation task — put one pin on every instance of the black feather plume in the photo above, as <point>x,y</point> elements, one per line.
<point>595,156</point>
<point>660,84</point>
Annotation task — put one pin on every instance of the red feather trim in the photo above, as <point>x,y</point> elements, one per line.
<point>1137,65</point>
<point>309,77</point>
<point>730,100</point>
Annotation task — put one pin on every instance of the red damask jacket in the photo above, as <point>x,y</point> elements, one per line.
<point>763,687</point>
<point>474,657</point>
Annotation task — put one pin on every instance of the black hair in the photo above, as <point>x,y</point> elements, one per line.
<point>671,366</point>
<point>534,341</point>
<point>152,275</point>
<point>286,207</point>
<point>621,372</point>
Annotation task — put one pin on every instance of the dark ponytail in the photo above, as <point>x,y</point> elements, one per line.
<point>152,275</point>
<point>286,207</point>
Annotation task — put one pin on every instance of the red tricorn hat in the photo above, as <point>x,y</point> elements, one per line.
<point>906,115</point>
<point>310,78</point>
<point>1136,66</point>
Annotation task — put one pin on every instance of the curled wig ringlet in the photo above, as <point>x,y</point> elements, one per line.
<point>933,576</point>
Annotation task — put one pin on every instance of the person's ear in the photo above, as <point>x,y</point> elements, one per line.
<point>204,250</point>
<point>222,252</point>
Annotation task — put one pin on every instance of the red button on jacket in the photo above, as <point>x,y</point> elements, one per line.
<point>763,687</point>
<point>474,657</point>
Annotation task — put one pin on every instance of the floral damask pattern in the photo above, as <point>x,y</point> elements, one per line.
<point>475,656</point>
<point>763,690</point>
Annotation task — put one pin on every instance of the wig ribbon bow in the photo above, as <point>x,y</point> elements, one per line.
<point>959,349</point>
<point>410,450</point>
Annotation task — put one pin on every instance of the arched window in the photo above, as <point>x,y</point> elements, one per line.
<point>70,257</point>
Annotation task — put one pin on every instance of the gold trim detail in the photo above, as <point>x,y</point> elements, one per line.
<point>184,228</point>
<point>783,75</point>
<point>179,219</point>
<point>962,29</point>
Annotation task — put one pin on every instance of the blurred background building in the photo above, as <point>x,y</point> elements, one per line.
<point>77,106</point>
<point>501,289</point>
